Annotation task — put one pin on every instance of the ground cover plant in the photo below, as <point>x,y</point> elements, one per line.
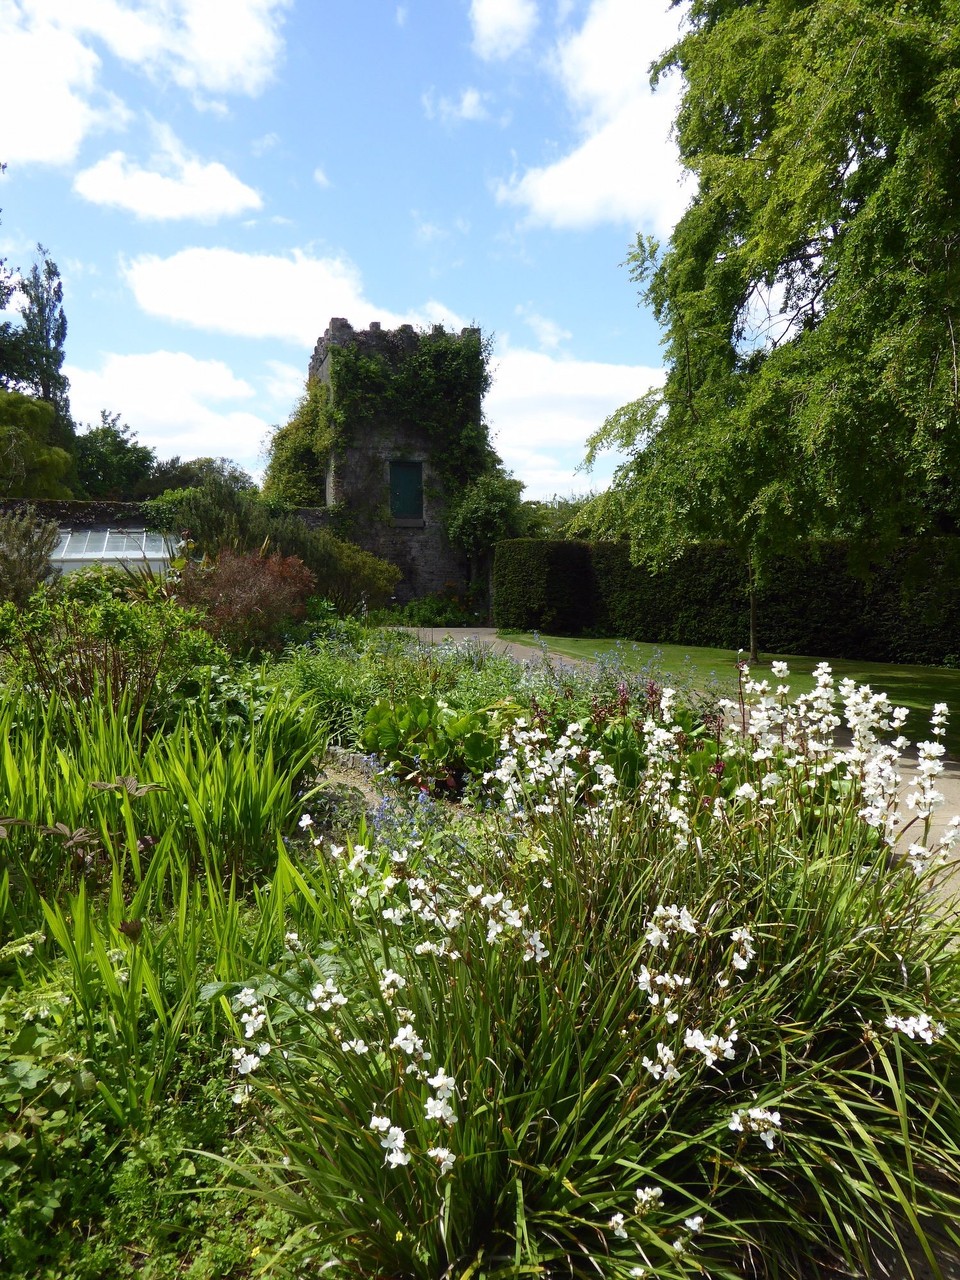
<point>661,994</point>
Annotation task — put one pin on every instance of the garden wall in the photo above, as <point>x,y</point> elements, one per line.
<point>903,609</point>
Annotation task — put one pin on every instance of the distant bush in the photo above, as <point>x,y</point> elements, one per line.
<point>217,517</point>
<point>448,608</point>
<point>248,601</point>
<point>26,545</point>
<point>539,585</point>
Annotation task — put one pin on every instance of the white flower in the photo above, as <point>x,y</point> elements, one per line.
<point>324,996</point>
<point>694,1224</point>
<point>443,1085</point>
<point>663,1067</point>
<point>745,792</point>
<point>407,1041</point>
<point>921,1027</point>
<point>393,1143</point>
<point>379,1124</point>
<point>305,822</point>
<point>391,983</point>
<point>648,1198</point>
<point>443,1156</point>
<point>758,1120</point>
<point>617,1225</point>
<point>535,950</point>
<point>439,1109</point>
<point>355,1046</point>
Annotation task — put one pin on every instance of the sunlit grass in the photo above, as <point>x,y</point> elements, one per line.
<point>916,688</point>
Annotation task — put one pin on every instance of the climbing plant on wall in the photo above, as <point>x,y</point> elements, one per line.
<point>300,451</point>
<point>430,383</point>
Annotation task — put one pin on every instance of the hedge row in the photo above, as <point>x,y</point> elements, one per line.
<point>903,609</point>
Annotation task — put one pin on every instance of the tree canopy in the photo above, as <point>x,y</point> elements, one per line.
<point>31,465</point>
<point>809,294</point>
<point>110,463</point>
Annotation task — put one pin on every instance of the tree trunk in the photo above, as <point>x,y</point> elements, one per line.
<point>752,590</point>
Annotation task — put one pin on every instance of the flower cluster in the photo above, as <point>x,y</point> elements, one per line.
<point>918,1027</point>
<point>764,1124</point>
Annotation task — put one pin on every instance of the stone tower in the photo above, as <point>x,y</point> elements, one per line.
<point>389,476</point>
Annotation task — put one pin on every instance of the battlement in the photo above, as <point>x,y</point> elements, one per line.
<point>391,343</point>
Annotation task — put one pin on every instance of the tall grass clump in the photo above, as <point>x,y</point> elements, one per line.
<point>85,794</point>
<point>704,1027</point>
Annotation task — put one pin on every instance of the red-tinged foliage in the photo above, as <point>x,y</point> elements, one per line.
<point>249,600</point>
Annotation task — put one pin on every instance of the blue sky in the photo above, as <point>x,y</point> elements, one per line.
<point>217,178</point>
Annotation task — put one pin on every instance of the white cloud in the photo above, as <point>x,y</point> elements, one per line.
<point>214,46</point>
<point>174,402</point>
<point>541,408</point>
<point>547,332</point>
<point>624,168</point>
<point>51,97</point>
<point>284,383</point>
<point>263,295</point>
<point>260,146</point>
<point>320,178</point>
<point>471,105</point>
<point>176,185</point>
<point>402,14</point>
<point>501,28</point>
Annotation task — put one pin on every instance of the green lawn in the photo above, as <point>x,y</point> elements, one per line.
<point>917,688</point>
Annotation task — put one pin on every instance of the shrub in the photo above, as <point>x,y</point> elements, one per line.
<point>904,609</point>
<point>219,517</point>
<point>26,544</point>
<point>131,654</point>
<point>665,1034</point>
<point>543,586</point>
<point>248,600</point>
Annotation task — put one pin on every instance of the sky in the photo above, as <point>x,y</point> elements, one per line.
<point>216,179</point>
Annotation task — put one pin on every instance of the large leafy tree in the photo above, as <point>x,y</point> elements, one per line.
<point>31,463</point>
<point>111,463</point>
<point>809,294</point>
<point>43,332</point>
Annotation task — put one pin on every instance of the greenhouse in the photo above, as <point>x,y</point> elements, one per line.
<point>79,547</point>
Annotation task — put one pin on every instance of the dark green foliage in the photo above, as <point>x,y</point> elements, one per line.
<point>218,516</point>
<point>543,586</point>
<point>32,464</point>
<point>174,473</point>
<point>905,609</point>
<point>110,463</point>
<point>488,510</point>
<point>41,338</point>
<point>26,543</point>
<point>300,451</point>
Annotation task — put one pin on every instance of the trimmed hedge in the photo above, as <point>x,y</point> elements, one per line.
<point>904,609</point>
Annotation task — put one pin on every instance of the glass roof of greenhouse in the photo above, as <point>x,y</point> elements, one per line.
<point>109,544</point>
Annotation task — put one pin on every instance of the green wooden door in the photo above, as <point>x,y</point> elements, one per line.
<point>406,490</point>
